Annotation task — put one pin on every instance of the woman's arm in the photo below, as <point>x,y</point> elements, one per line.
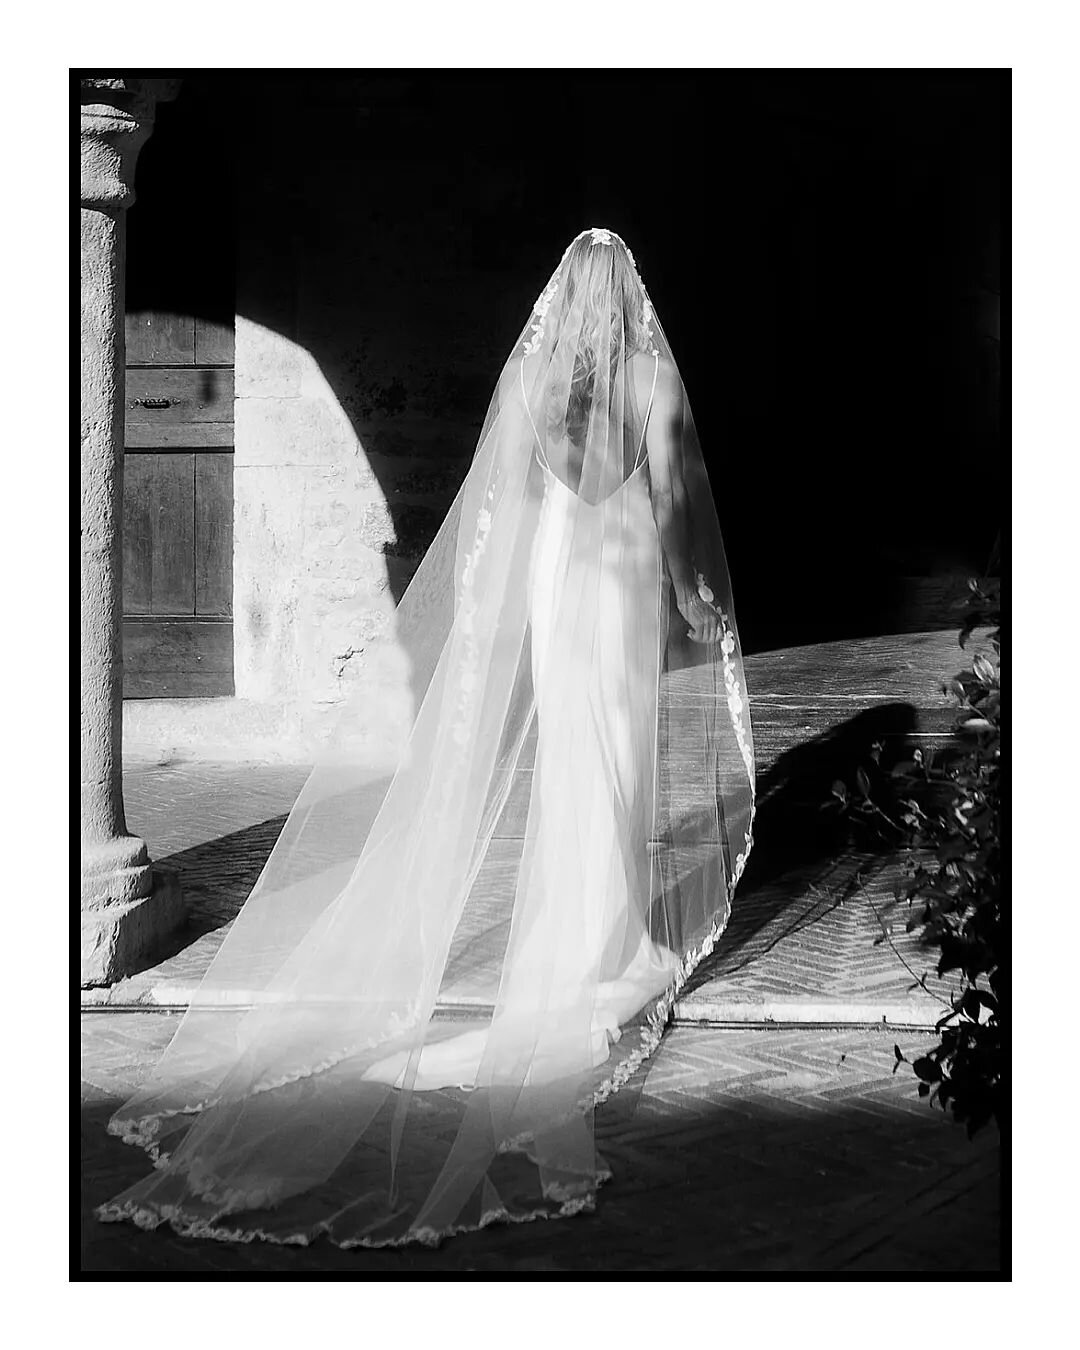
<point>663,439</point>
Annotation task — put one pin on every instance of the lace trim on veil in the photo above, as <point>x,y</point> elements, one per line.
<point>425,1236</point>
<point>143,1131</point>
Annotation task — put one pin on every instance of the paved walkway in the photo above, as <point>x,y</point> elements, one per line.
<point>788,1148</point>
<point>768,1150</point>
<point>806,941</point>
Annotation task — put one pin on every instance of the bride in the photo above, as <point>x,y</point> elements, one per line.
<point>435,981</point>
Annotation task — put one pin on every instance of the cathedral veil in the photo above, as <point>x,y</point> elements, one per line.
<point>436,979</point>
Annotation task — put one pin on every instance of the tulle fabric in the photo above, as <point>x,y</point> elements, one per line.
<point>436,978</point>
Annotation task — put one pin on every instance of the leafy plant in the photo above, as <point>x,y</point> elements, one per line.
<point>943,809</point>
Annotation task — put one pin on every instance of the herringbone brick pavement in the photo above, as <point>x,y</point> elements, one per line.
<point>784,1150</point>
<point>769,1150</point>
<point>804,942</point>
<point>214,825</point>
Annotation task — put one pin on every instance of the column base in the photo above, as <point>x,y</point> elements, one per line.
<point>120,939</point>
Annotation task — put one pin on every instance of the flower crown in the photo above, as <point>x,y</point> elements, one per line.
<point>597,235</point>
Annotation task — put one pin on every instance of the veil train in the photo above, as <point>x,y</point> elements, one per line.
<point>443,976</point>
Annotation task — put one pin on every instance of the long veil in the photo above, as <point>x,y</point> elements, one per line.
<point>436,979</point>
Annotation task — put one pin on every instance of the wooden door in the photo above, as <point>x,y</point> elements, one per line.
<point>178,507</point>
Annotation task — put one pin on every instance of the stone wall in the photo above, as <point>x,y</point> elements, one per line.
<point>362,381</point>
<point>323,546</point>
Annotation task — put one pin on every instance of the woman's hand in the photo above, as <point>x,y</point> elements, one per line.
<point>702,617</point>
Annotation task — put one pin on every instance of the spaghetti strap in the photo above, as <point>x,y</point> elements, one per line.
<point>638,461</point>
<point>528,411</point>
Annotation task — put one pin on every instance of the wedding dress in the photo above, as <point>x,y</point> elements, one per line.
<point>435,981</point>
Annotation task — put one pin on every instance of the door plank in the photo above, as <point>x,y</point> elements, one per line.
<point>188,395</point>
<point>138,530</point>
<point>155,338</point>
<point>166,658</point>
<point>213,533</point>
<point>179,684</point>
<point>214,343</point>
<point>178,435</point>
<point>173,543</point>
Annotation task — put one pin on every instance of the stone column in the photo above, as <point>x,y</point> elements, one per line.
<point>127,907</point>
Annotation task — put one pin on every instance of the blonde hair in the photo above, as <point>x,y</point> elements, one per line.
<point>600,280</point>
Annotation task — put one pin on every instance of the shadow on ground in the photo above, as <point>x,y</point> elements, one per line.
<point>799,848</point>
<point>801,844</point>
<point>218,876</point>
<point>738,1183</point>
<point>215,880</point>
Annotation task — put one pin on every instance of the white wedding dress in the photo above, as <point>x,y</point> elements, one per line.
<point>585,870</point>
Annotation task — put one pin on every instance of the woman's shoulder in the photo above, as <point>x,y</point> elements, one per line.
<point>644,364</point>
<point>518,365</point>
<point>522,360</point>
<point>645,359</point>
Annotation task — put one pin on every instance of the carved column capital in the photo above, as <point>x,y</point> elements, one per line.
<point>117,116</point>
